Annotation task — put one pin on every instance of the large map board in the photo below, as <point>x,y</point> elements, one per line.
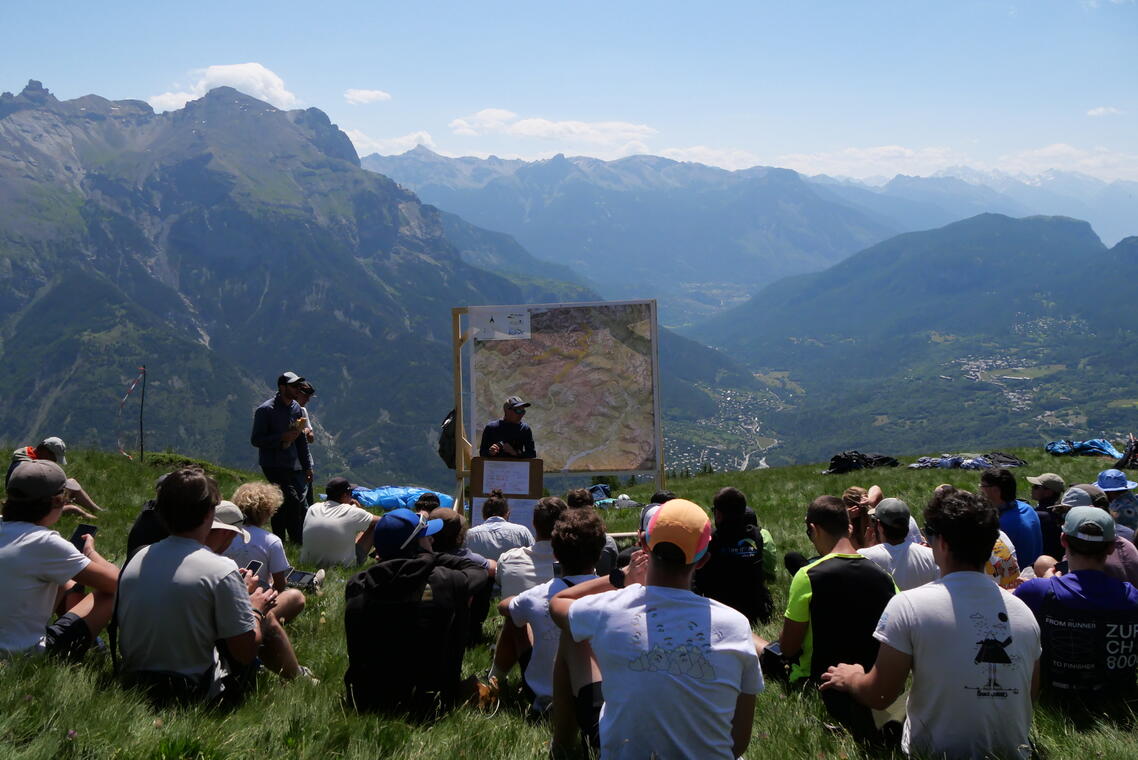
<point>590,372</point>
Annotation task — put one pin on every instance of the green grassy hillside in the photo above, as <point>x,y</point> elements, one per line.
<point>48,710</point>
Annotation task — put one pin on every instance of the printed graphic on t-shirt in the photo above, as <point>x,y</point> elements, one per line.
<point>992,655</point>
<point>686,657</point>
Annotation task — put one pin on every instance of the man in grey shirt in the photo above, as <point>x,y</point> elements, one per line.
<point>177,598</point>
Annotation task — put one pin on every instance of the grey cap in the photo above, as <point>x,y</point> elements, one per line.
<point>1075,498</point>
<point>57,448</point>
<point>1080,518</point>
<point>228,516</point>
<point>35,480</point>
<point>891,512</point>
<point>1050,481</point>
<point>515,402</point>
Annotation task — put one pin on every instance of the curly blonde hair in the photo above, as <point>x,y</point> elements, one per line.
<point>258,501</point>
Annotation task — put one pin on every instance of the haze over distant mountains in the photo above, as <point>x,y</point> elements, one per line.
<point>223,243</point>
<point>227,241</point>
<point>707,238</point>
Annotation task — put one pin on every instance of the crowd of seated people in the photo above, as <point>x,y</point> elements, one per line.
<point>931,628</point>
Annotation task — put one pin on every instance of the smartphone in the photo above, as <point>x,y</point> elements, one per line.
<point>80,530</point>
<point>254,566</point>
<point>301,579</point>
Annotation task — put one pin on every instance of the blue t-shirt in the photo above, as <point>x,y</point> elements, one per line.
<point>1019,521</point>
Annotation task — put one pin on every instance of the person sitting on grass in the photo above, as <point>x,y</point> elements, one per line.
<point>733,573</point>
<point>1122,563</point>
<point>53,449</point>
<point>337,531</point>
<point>190,625</point>
<point>416,597</point>
<point>276,647</point>
<point>833,606</point>
<point>578,538</point>
<point>582,498</point>
<point>497,534</point>
<point>680,671</point>
<point>646,512</point>
<point>43,574</point>
<point>527,566</point>
<point>1086,605</point>
<point>256,502</point>
<point>910,564</point>
<point>972,647</point>
<point>451,540</point>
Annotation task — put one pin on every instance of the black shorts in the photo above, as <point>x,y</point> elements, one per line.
<point>588,703</point>
<point>69,636</point>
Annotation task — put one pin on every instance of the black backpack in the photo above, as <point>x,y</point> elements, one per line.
<point>447,446</point>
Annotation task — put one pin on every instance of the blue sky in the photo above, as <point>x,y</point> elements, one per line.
<point>849,88</point>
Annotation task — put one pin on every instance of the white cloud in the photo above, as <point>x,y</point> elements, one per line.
<point>612,134</point>
<point>359,97</point>
<point>366,145</point>
<point>725,158</point>
<point>1104,111</point>
<point>1098,161</point>
<point>485,121</point>
<point>250,78</point>
<point>876,160</point>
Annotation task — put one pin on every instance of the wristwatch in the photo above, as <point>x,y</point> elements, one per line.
<point>616,578</point>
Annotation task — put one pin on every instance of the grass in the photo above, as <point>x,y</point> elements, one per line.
<point>49,710</point>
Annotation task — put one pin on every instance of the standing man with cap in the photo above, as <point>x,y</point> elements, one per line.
<point>406,619</point>
<point>278,434</point>
<point>37,564</point>
<point>1120,490</point>
<point>910,564</point>
<point>509,436</point>
<point>1088,620</point>
<point>680,671</point>
<point>53,449</point>
<point>338,531</point>
<point>1046,490</point>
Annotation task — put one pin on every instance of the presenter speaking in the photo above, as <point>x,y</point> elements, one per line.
<point>509,436</point>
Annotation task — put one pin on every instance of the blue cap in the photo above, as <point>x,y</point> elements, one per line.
<point>398,529</point>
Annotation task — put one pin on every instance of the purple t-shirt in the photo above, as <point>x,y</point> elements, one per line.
<point>1082,590</point>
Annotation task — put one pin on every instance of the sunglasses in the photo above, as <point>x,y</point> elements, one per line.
<point>520,411</point>
<point>418,529</point>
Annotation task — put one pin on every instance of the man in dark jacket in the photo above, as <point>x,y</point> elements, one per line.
<point>411,596</point>
<point>278,434</point>
<point>733,574</point>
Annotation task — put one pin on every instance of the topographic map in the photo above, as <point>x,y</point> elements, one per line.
<point>589,371</point>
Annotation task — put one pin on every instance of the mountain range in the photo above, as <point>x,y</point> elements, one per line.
<point>987,331</point>
<point>221,244</point>
<point>705,238</point>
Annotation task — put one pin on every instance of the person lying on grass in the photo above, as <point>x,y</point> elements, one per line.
<point>43,574</point>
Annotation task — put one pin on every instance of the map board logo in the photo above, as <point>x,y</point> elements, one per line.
<point>590,371</point>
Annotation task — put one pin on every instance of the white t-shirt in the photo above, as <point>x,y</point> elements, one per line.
<point>910,564</point>
<point>531,607</point>
<point>673,665</point>
<point>974,647</point>
<point>263,547</point>
<point>525,567</point>
<point>495,536</point>
<point>34,562</point>
<point>176,598</point>
<point>330,530</point>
